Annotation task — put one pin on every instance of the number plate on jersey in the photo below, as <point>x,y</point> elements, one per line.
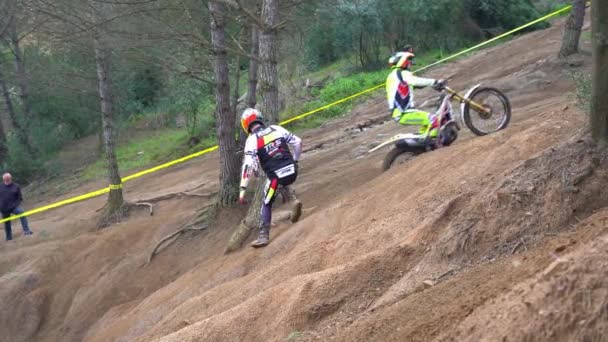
<point>286,171</point>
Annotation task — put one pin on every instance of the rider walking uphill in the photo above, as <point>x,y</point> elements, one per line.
<point>270,147</point>
<point>400,84</point>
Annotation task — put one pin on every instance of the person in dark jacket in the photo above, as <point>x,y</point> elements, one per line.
<point>10,203</point>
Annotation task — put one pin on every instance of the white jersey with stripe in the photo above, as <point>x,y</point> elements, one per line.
<point>392,88</point>
<point>270,139</point>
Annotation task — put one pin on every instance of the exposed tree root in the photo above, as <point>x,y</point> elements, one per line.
<point>177,195</point>
<point>200,222</point>
<point>152,200</point>
<point>107,220</point>
<point>519,244</point>
<point>142,204</point>
<point>186,193</point>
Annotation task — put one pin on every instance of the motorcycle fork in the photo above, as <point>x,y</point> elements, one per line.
<point>470,102</point>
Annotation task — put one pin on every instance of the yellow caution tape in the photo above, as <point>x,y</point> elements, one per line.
<point>302,116</point>
<point>171,163</point>
<point>107,190</point>
<point>59,204</point>
<point>296,118</point>
<point>506,34</point>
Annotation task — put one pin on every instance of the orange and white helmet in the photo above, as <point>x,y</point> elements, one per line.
<point>250,116</point>
<point>405,60</point>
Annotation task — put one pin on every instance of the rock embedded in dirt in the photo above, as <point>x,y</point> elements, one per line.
<point>429,283</point>
<point>555,266</point>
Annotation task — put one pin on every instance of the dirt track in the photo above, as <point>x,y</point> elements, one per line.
<point>494,231</point>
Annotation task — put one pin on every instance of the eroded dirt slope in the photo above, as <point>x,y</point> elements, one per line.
<point>478,234</point>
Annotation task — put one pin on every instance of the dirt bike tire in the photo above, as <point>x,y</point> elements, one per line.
<point>506,107</point>
<point>395,152</point>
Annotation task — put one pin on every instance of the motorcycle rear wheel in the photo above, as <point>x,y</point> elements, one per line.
<point>400,155</point>
<point>481,123</point>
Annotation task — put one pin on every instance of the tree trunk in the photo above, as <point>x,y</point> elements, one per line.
<point>574,26</point>
<point>361,52</point>
<point>253,68</point>
<point>229,162</point>
<point>103,56</point>
<point>20,72</point>
<point>599,100</point>
<point>3,144</point>
<point>21,133</point>
<point>251,100</point>
<point>242,136</point>
<point>21,126</point>
<point>9,108</point>
<point>268,72</point>
<point>269,90</point>
<point>237,80</point>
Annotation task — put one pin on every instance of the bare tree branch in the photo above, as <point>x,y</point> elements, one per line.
<point>238,4</point>
<point>8,23</point>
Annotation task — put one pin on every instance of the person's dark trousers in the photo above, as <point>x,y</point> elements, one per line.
<point>8,227</point>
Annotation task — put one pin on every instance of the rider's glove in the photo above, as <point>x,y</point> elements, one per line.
<point>242,199</point>
<point>439,84</point>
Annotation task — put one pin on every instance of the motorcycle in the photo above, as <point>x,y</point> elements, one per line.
<point>487,105</point>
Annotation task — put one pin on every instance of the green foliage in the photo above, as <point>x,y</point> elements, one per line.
<point>20,163</point>
<point>547,6</point>
<point>320,43</point>
<point>364,29</point>
<point>146,86</point>
<point>501,15</point>
<point>194,101</point>
<point>160,146</point>
<point>336,90</point>
<point>61,105</point>
<point>161,71</point>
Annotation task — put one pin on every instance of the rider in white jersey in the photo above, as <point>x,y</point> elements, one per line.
<point>400,85</point>
<point>269,146</point>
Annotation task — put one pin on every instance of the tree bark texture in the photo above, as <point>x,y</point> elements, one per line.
<point>21,126</point>
<point>252,84</point>
<point>236,90</point>
<point>3,144</point>
<point>599,100</point>
<point>9,107</point>
<point>103,57</point>
<point>20,131</point>
<point>574,26</point>
<point>225,116</point>
<point>20,71</point>
<point>253,68</point>
<point>269,90</point>
<point>268,72</point>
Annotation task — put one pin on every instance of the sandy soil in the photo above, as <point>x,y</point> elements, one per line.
<point>496,238</point>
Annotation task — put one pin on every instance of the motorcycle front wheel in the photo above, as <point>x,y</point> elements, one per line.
<point>496,116</point>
